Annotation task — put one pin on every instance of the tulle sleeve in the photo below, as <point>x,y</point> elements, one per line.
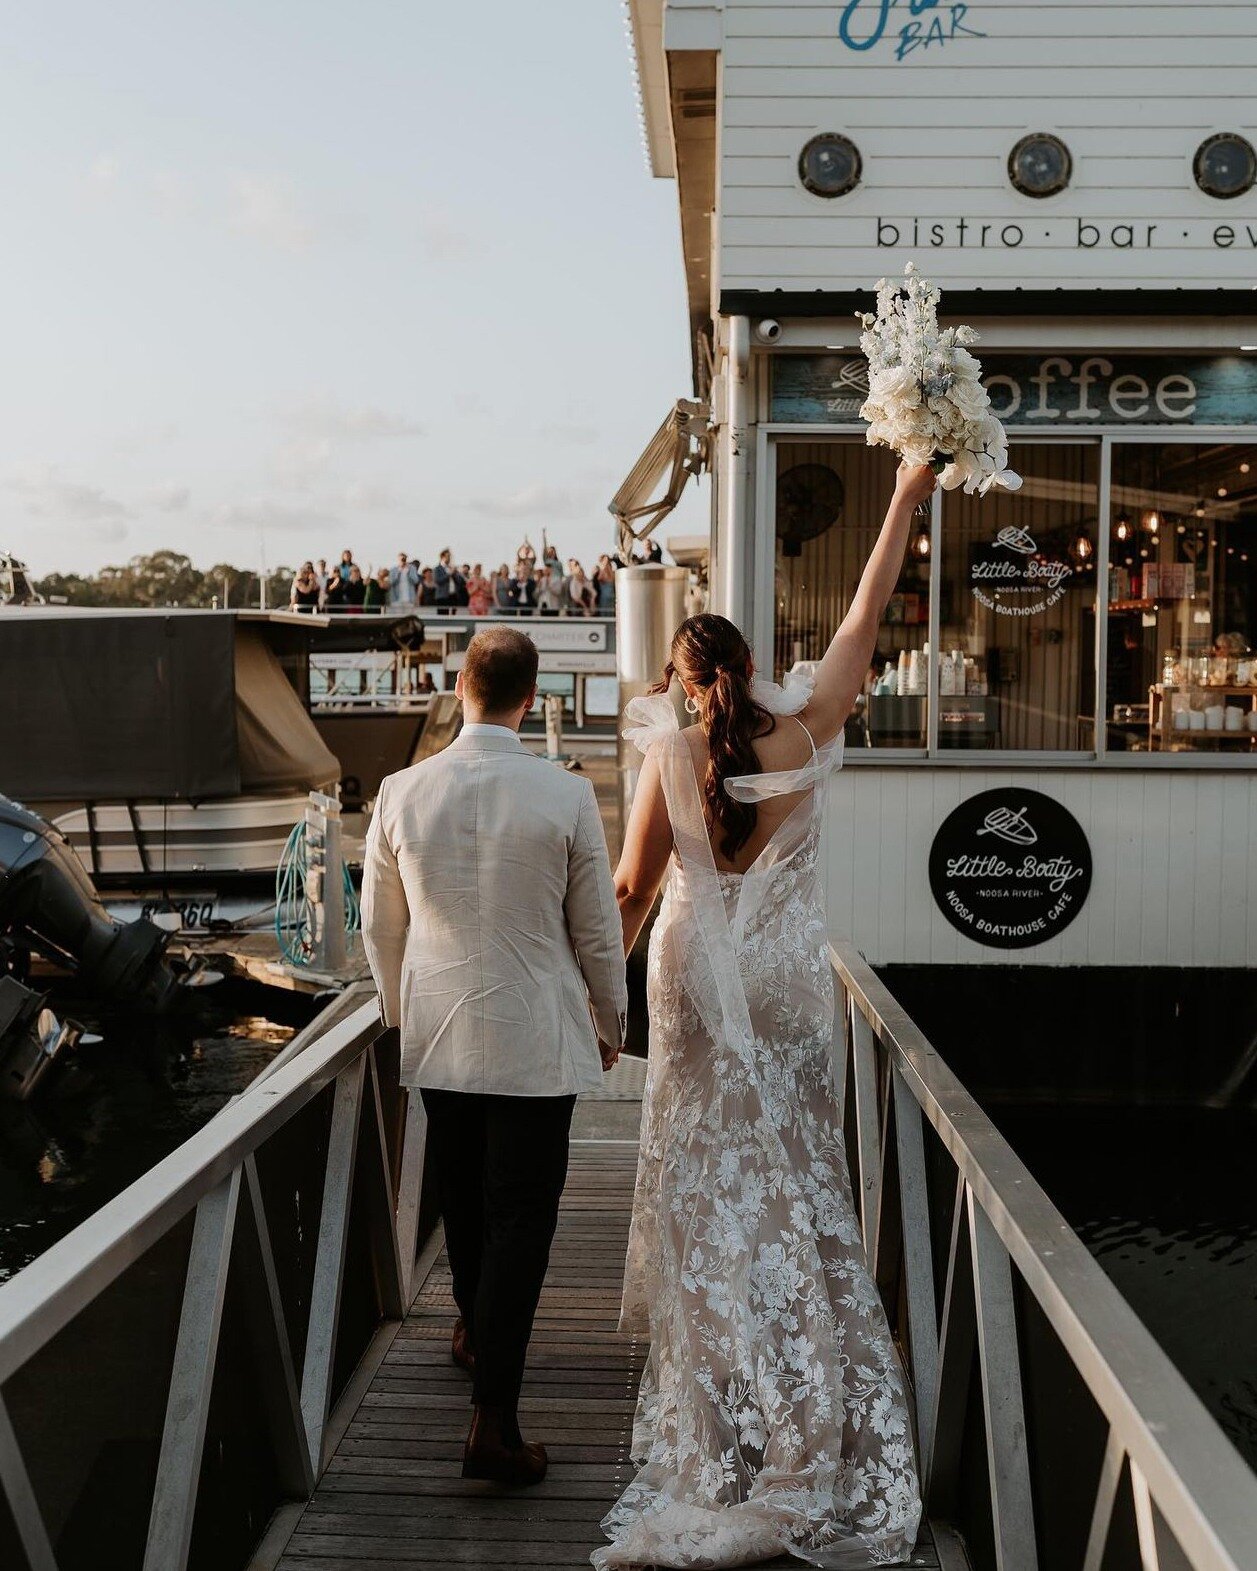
<point>650,719</point>
<point>788,697</point>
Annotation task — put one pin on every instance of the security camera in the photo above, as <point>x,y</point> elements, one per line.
<point>768,331</point>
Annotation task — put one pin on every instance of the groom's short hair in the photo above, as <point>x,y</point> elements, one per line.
<point>499,669</point>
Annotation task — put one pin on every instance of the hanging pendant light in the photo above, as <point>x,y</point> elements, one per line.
<point>921,545</point>
<point>1123,528</point>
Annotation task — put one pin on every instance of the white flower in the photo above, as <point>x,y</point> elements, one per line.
<point>926,399</point>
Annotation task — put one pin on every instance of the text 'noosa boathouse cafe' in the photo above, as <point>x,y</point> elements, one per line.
<point>1054,761</point>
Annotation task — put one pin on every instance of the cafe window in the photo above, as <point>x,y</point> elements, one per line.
<point>831,497</point>
<point>1181,675</point>
<point>1017,606</point>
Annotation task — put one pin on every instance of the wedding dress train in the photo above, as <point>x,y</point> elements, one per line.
<point>772,1415</point>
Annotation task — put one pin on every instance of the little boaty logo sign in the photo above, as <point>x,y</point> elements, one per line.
<point>1010,868</point>
<point>1012,577</point>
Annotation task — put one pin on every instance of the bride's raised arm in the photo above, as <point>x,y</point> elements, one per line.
<point>841,672</point>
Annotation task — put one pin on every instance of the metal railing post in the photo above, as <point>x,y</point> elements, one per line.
<point>32,1531</point>
<point>329,1261</point>
<point>192,1380</point>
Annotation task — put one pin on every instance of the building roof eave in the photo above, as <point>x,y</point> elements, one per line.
<point>644,24</point>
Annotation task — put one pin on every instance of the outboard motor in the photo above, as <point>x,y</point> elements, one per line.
<point>48,903</point>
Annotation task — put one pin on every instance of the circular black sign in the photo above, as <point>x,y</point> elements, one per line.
<point>1010,868</point>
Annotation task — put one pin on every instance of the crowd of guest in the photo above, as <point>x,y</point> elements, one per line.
<point>535,586</point>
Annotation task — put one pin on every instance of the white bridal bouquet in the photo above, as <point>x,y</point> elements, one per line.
<point>926,399</point>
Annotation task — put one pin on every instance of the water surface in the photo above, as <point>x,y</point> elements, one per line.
<point>116,1107</point>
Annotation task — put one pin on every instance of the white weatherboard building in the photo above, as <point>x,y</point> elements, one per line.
<point>1080,179</point>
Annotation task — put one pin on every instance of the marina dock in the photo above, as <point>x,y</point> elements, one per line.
<point>253,1339</point>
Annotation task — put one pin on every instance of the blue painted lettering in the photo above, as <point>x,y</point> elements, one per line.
<point>863,24</point>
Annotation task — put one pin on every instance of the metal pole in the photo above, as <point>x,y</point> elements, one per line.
<point>730,589</point>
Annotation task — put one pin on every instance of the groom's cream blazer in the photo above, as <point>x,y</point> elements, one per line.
<point>490,921</point>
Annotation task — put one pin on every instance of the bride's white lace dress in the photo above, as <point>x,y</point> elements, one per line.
<point>772,1416</point>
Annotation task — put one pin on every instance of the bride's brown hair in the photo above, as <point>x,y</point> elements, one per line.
<point>710,653</point>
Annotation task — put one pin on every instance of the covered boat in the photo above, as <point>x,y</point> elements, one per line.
<point>172,748</point>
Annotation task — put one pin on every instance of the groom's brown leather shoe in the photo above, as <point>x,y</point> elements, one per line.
<point>489,1453</point>
<point>460,1347</point>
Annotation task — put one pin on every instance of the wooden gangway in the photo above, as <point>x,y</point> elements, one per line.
<point>392,1494</point>
<point>392,1491</point>
<point>243,1359</point>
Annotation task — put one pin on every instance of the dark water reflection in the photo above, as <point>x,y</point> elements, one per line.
<point>118,1106</point>
<point>1132,1098</point>
<point>1166,1200</point>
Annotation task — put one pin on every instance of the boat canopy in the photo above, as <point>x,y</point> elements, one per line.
<point>144,705</point>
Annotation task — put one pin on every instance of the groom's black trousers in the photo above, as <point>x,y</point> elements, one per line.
<point>500,1163</point>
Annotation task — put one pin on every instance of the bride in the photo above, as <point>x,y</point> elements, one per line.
<point>772,1415</point>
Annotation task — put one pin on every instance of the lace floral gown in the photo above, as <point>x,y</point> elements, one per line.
<point>772,1415</point>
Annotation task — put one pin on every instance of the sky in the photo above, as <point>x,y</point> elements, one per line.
<point>286,276</point>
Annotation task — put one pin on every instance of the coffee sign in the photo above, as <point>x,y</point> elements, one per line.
<point>1010,868</point>
<point>1054,392</point>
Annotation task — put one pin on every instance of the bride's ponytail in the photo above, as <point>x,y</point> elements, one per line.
<point>709,652</point>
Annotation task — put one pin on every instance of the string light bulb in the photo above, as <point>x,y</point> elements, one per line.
<point>1123,528</point>
<point>921,545</point>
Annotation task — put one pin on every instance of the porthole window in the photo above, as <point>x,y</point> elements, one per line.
<point>1225,165</point>
<point>1040,165</point>
<point>830,165</point>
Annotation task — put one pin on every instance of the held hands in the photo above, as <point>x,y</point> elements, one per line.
<point>915,483</point>
<point>610,1056</point>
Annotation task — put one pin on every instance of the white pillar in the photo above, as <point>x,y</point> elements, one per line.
<point>730,591</point>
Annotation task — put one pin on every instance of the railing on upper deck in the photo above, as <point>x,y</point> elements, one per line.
<point>1054,1432</point>
<point>184,1362</point>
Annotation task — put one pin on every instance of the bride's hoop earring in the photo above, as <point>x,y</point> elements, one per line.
<point>691,704</point>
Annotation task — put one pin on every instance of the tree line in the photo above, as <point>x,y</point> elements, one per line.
<point>167,578</point>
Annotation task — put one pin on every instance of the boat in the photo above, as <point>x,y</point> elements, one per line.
<point>176,749</point>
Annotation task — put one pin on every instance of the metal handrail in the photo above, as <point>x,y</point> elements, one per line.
<point>1195,1499</point>
<point>215,1179</point>
<point>42,1298</point>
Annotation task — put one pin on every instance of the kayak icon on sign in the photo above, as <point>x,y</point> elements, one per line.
<point>1010,824</point>
<point>1016,540</point>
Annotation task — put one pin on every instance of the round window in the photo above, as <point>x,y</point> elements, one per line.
<point>1040,165</point>
<point>1225,165</point>
<point>830,165</point>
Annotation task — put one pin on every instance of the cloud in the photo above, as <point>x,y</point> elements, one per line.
<point>266,513</point>
<point>534,501</point>
<point>443,239</point>
<point>167,498</point>
<point>574,435</point>
<point>366,496</point>
<point>301,462</point>
<point>45,494</point>
<point>263,207</point>
<point>325,419</point>
<point>103,172</point>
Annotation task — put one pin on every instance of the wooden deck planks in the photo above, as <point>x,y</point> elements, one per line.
<point>392,1495</point>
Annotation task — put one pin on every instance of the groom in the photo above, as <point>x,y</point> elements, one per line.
<point>490,921</point>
